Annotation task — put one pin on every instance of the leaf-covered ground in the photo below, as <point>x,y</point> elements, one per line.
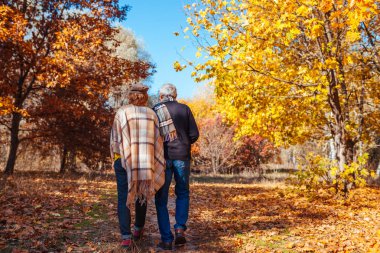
<point>74,214</point>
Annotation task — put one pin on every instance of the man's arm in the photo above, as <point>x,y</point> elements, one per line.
<point>193,128</point>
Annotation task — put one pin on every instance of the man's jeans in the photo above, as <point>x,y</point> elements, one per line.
<point>181,171</point>
<point>123,212</point>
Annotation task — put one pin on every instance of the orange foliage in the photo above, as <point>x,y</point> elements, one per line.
<point>254,151</point>
<point>59,56</point>
<point>12,25</point>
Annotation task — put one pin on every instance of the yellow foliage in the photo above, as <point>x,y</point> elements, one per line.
<point>178,67</point>
<point>292,71</point>
<point>276,64</point>
<point>202,106</point>
<point>317,172</point>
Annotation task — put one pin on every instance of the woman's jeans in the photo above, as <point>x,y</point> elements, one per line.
<point>123,212</point>
<point>181,171</point>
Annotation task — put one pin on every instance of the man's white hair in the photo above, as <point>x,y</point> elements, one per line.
<point>168,90</point>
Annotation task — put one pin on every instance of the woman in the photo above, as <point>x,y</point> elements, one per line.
<point>139,163</point>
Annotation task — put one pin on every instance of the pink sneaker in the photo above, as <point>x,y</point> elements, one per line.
<point>126,243</point>
<point>137,234</point>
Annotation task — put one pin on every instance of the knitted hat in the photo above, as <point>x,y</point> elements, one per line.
<point>139,88</point>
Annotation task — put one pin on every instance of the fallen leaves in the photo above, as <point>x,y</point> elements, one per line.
<point>270,219</point>
<point>79,215</point>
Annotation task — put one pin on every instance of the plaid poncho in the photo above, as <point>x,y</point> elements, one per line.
<point>135,136</point>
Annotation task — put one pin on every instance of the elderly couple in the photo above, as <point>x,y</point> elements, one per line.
<point>148,147</point>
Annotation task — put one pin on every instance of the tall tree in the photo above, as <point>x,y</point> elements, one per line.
<point>294,70</point>
<point>47,44</point>
<point>77,126</point>
<point>77,121</point>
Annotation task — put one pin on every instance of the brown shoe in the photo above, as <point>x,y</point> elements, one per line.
<point>165,246</point>
<point>180,239</point>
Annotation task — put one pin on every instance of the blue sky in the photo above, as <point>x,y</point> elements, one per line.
<point>154,23</point>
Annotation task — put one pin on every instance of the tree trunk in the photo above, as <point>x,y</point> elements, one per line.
<point>62,168</point>
<point>340,157</point>
<point>213,164</point>
<point>350,158</point>
<point>374,157</point>
<point>337,126</point>
<point>12,156</point>
<point>71,161</point>
<point>344,155</point>
<point>332,154</point>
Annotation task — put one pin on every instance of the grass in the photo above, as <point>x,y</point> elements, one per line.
<point>83,224</point>
<point>98,212</point>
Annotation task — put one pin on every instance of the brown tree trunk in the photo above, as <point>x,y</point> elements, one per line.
<point>15,128</point>
<point>338,135</point>
<point>350,155</point>
<point>62,168</point>
<point>374,156</point>
<point>71,161</point>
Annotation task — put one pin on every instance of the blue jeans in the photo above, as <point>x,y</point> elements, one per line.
<point>181,171</point>
<point>123,212</point>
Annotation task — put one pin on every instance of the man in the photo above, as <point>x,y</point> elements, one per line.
<point>179,130</point>
<point>137,152</point>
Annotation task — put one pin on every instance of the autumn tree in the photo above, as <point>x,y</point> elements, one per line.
<point>217,149</point>
<point>74,124</point>
<point>292,71</point>
<point>85,133</point>
<point>56,44</point>
<point>253,151</point>
<point>77,121</point>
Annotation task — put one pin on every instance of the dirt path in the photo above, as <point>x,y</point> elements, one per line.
<point>151,236</point>
<point>100,230</point>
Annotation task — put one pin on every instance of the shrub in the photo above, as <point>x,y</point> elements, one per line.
<point>316,173</point>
